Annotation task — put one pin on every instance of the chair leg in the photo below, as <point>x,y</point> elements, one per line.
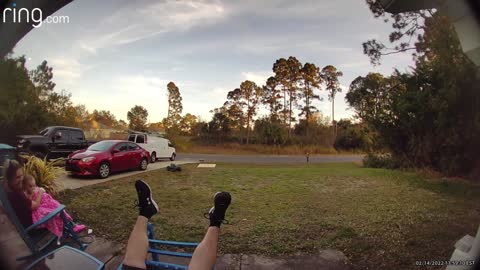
<point>151,235</point>
<point>69,232</point>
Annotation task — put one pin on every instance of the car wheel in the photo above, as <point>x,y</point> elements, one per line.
<point>143,164</point>
<point>172,158</point>
<point>153,157</point>
<point>104,170</point>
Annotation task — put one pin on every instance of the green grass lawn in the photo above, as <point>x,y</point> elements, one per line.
<point>378,218</point>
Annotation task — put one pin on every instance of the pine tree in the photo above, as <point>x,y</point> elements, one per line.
<point>175,107</point>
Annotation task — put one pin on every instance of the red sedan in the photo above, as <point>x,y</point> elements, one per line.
<point>107,156</point>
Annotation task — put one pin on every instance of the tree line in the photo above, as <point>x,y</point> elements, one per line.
<point>290,93</point>
<point>428,117</point>
<point>29,102</point>
<point>293,86</point>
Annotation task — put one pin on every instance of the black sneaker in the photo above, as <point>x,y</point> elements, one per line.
<point>216,214</point>
<point>148,207</point>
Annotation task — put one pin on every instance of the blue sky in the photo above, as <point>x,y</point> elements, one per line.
<point>114,54</point>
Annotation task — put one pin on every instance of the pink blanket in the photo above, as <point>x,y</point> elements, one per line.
<point>47,205</point>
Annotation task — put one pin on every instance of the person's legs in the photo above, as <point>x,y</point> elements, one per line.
<point>137,245</point>
<point>205,254</point>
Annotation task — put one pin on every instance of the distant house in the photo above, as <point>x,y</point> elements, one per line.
<point>159,133</point>
<point>98,131</point>
<point>157,129</point>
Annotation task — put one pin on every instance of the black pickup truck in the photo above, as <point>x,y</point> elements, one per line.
<point>53,142</point>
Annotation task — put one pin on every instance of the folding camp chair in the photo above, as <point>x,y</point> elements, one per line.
<point>35,238</point>
<point>155,252</point>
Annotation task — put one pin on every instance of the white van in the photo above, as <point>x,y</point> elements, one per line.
<point>157,146</point>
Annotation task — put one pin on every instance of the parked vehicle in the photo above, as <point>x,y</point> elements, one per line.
<point>53,142</point>
<point>6,152</point>
<point>158,147</point>
<point>107,156</point>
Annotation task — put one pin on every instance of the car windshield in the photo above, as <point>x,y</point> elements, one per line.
<point>44,132</point>
<point>101,146</point>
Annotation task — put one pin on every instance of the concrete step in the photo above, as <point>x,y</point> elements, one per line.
<point>325,260</point>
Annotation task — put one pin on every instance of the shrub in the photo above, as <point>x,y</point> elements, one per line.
<point>379,160</point>
<point>352,136</point>
<point>44,172</point>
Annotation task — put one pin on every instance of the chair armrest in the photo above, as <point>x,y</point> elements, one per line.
<point>173,243</point>
<point>46,218</point>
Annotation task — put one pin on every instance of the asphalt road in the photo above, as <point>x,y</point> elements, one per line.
<point>268,159</point>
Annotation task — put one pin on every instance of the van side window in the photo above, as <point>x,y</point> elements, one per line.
<point>170,144</point>
<point>131,138</point>
<point>140,139</point>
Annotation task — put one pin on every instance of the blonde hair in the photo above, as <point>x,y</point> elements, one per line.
<point>27,178</point>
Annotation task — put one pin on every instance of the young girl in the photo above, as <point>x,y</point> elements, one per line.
<point>47,204</point>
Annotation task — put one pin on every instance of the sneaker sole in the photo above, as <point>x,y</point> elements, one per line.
<point>150,195</point>
<point>220,206</point>
<point>215,195</point>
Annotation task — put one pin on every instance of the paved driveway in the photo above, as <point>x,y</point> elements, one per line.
<point>73,182</point>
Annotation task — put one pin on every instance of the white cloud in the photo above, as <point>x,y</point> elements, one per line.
<point>259,77</point>
<point>258,47</point>
<point>351,65</point>
<point>87,48</point>
<point>292,9</point>
<point>177,68</point>
<point>67,70</point>
<point>183,15</point>
<point>218,92</point>
<point>342,110</point>
<point>140,83</point>
<point>131,24</point>
<point>276,44</point>
<point>319,46</point>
